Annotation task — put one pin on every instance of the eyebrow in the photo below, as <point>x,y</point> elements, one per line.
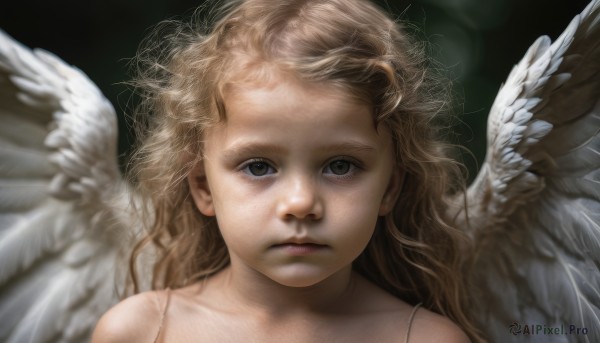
<point>240,149</point>
<point>354,146</point>
<point>259,149</point>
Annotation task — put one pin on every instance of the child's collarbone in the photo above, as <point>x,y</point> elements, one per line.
<point>227,328</point>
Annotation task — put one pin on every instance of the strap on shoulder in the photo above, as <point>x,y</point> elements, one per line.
<point>410,321</point>
<point>163,311</point>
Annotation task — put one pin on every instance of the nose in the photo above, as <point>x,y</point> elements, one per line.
<point>300,199</point>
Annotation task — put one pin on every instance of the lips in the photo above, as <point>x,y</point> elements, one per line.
<point>304,248</point>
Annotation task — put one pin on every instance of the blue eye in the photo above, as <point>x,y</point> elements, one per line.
<point>258,168</point>
<point>339,167</point>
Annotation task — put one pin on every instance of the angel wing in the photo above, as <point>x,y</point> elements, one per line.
<point>534,208</point>
<point>61,226</point>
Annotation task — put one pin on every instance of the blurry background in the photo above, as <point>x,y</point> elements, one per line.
<point>478,41</point>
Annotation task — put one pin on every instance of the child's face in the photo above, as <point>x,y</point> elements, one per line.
<point>296,176</point>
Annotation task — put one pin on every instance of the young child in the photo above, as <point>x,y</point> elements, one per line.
<point>296,184</point>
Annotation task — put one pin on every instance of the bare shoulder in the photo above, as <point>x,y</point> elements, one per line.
<point>135,319</point>
<point>428,326</point>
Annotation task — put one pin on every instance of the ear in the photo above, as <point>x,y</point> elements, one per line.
<point>200,190</point>
<point>392,192</point>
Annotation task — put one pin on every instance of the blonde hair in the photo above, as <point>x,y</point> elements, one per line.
<point>350,44</point>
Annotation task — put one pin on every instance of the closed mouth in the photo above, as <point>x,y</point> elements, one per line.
<point>300,248</point>
<point>308,244</point>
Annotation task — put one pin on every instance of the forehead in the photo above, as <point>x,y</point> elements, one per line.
<point>258,83</point>
<point>294,114</point>
<point>294,99</point>
<point>246,71</point>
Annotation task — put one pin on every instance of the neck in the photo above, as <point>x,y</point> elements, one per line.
<point>249,288</point>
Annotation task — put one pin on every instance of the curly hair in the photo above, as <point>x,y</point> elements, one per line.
<point>414,253</point>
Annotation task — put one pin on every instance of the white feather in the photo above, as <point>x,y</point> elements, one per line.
<point>60,233</point>
<point>534,208</point>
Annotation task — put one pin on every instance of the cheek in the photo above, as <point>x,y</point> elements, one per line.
<point>243,209</point>
<point>238,228</point>
<point>367,198</point>
<point>360,209</point>
<point>356,213</point>
<point>238,209</point>
<point>354,235</point>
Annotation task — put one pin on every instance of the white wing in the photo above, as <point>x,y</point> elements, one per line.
<point>60,189</point>
<point>534,209</point>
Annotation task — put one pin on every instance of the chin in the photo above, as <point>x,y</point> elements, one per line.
<point>298,282</point>
<point>301,276</point>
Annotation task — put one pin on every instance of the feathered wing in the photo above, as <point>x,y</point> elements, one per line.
<point>534,209</point>
<point>61,223</point>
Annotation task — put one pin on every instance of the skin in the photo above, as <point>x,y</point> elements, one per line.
<point>296,176</point>
<point>313,176</point>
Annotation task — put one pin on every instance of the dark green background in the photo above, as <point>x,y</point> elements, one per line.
<point>478,40</point>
